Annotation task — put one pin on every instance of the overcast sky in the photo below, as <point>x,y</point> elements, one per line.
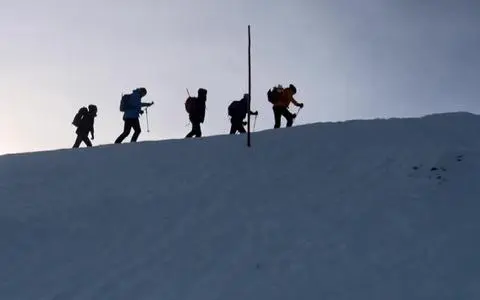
<point>349,60</point>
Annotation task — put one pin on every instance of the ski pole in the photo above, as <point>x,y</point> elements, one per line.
<point>254,122</point>
<point>146,116</point>
<point>296,114</point>
<point>298,111</point>
<point>188,93</point>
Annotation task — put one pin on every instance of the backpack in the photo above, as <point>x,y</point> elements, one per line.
<point>124,102</point>
<point>79,116</point>
<point>235,110</point>
<point>189,104</point>
<point>274,94</point>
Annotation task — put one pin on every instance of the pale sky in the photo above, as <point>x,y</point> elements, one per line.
<point>350,59</point>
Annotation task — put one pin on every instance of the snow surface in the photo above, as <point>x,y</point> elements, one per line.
<point>367,209</point>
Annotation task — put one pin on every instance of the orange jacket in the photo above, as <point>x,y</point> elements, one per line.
<point>286,97</point>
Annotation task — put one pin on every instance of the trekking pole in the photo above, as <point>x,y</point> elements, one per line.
<point>254,122</point>
<point>296,114</point>
<point>146,116</point>
<point>298,111</point>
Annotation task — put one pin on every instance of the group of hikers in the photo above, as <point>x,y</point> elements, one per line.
<point>131,105</point>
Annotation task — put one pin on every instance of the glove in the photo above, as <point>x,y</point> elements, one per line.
<point>92,137</point>
<point>244,123</point>
<point>300,105</point>
<point>151,103</point>
<point>141,112</point>
<point>256,113</point>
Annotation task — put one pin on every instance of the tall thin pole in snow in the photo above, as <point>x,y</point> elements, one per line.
<point>249,88</point>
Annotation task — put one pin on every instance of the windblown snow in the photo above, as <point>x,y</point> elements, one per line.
<point>365,209</point>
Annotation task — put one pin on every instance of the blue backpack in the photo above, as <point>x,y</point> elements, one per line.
<point>124,102</point>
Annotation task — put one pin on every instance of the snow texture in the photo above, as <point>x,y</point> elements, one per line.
<point>364,209</point>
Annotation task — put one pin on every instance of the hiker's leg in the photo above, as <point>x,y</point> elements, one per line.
<point>125,133</point>
<point>78,140</point>
<point>277,113</point>
<point>197,129</point>
<point>192,131</point>
<point>137,130</point>
<point>240,128</point>
<point>233,129</point>
<point>87,141</point>
<point>236,126</point>
<point>289,116</point>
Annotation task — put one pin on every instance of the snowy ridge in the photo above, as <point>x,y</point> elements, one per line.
<point>367,209</point>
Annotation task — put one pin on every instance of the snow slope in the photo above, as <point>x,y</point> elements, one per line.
<point>368,209</point>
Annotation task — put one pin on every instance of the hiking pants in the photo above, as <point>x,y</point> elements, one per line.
<point>280,111</point>
<point>82,137</point>
<point>128,125</point>
<point>196,130</point>
<point>237,125</point>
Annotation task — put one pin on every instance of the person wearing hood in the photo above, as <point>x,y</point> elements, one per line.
<point>131,106</point>
<point>237,110</point>
<point>281,103</point>
<point>195,107</point>
<point>84,121</point>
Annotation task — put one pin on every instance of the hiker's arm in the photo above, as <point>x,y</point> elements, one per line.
<point>146,104</point>
<point>297,103</point>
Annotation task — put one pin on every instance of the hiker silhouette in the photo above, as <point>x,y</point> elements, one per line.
<point>237,110</point>
<point>84,121</point>
<point>195,107</point>
<point>281,98</point>
<point>131,106</point>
